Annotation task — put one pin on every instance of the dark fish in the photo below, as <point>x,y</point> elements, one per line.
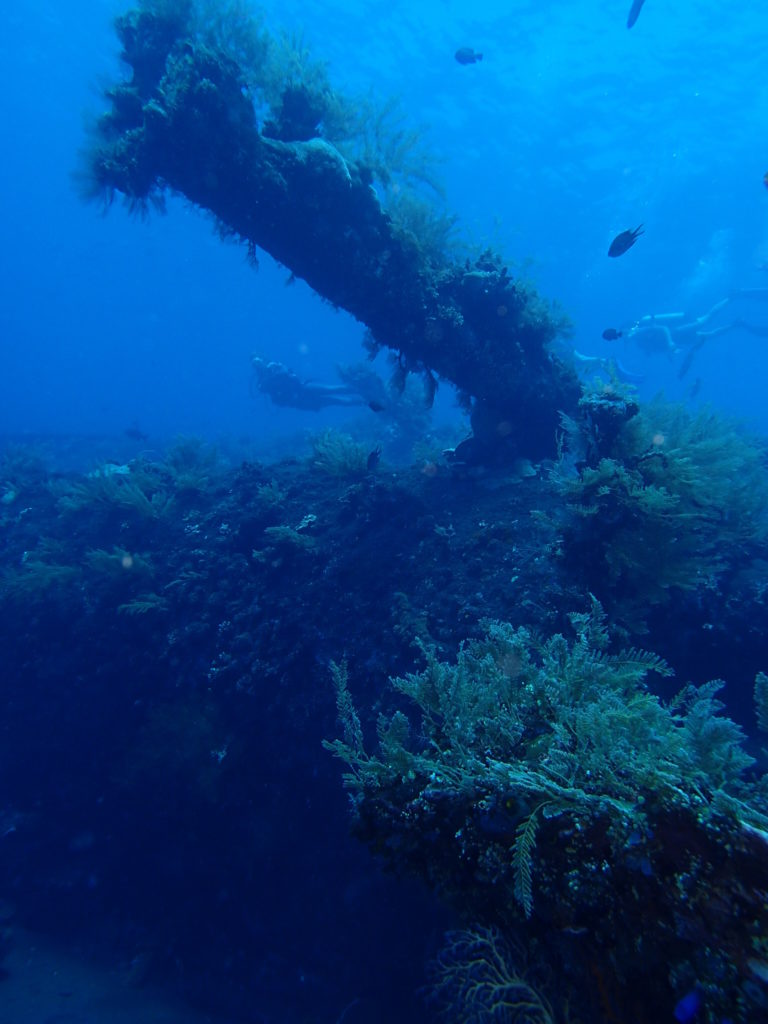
<point>634,12</point>
<point>430,388</point>
<point>466,55</point>
<point>765,179</point>
<point>624,241</point>
<point>611,334</point>
<point>136,434</point>
<point>374,458</point>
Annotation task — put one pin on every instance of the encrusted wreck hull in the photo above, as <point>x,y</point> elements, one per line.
<point>186,122</point>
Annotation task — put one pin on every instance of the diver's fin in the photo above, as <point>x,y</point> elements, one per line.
<point>634,12</point>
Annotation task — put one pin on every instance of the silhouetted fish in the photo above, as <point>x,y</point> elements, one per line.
<point>373,459</point>
<point>624,241</point>
<point>466,55</point>
<point>430,388</point>
<point>634,12</point>
<point>136,434</point>
<point>611,334</point>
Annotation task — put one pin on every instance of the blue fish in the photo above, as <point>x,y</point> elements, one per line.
<point>624,241</point>
<point>466,55</point>
<point>634,12</point>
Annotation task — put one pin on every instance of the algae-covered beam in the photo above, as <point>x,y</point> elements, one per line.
<point>189,120</point>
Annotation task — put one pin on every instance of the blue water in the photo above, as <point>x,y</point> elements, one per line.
<point>570,130</point>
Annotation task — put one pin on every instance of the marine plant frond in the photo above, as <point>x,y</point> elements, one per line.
<point>554,720</point>
<point>391,148</point>
<point>693,489</point>
<point>350,722</point>
<point>633,663</point>
<point>699,697</point>
<point>479,976</point>
<point>144,605</point>
<point>191,462</point>
<point>128,488</point>
<point>296,65</point>
<point>394,735</point>
<point>761,700</point>
<point>176,12</point>
<point>37,578</point>
<point>713,743</point>
<point>591,627</point>
<point>141,205</point>
<point>522,860</point>
<point>118,563</point>
<point>338,454</point>
<point>236,28</point>
<point>433,231</point>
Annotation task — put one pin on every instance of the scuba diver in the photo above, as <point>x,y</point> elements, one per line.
<point>672,333</point>
<point>611,366</point>
<point>668,333</point>
<point>286,388</point>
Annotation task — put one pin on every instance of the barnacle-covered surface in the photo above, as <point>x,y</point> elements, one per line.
<point>544,789</point>
<point>689,487</point>
<point>259,141</point>
<point>174,627</point>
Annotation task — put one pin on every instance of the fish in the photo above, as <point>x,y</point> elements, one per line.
<point>624,241</point>
<point>430,388</point>
<point>466,55</point>
<point>634,12</point>
<point>136,434</point>
<point>611,334</point>
<point>374,457</point>
<point>765,179</point>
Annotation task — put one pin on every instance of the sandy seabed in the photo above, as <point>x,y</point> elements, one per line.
<point>49,984</point>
